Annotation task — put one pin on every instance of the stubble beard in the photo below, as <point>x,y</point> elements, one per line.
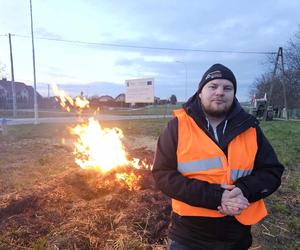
<point>214,112</point>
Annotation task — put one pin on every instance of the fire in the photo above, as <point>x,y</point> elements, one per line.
<point>100,148</point>
<point>130,180</point>
<point>81,102</point>
<point>67,101</point>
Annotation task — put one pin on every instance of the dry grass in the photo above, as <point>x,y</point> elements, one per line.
<point>83,210</point>
<point>47,202</point>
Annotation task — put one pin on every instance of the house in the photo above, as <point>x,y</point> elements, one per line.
<point>106,101</point>
<point>163,102</point>
<point>24,95</point>
<point>120,101</point>
<point>106,98</point>
<point>156,100</point>
<point>120,98</point>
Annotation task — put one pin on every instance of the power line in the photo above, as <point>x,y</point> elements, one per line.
<point>149,47</point>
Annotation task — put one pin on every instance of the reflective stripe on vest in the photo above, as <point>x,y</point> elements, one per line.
<point>199,157</point>
<point>200,165</point>
<point>238,173</point>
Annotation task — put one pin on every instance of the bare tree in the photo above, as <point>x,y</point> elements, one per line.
<point>293,53</point>
<point>290,76</point>
<point>173,99</point>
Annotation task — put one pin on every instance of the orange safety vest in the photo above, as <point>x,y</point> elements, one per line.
<point>199,157</point>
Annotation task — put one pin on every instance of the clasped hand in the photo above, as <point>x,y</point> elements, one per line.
<point>233,201</point>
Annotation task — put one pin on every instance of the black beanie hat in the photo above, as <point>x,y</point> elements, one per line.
<point>217,71</point>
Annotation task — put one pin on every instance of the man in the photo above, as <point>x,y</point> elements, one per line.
<point>215,163</point>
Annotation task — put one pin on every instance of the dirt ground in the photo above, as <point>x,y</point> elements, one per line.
<point>48,202</point>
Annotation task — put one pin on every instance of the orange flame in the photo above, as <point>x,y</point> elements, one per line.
<point>130,180</point>
<point>67,101</point>
<point>98,148</point>
<point>101,148</point>
<point>81,102</point>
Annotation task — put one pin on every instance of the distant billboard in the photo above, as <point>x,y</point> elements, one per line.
<point>139,90</point>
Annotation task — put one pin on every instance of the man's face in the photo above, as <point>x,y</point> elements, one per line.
<point>217,97</point>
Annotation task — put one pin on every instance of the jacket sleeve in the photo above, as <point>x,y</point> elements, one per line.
<point>266,175</point>
<point>171,182</point>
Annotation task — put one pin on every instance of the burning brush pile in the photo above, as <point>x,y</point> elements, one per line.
<point>104,199</point>
<point>99,148</point>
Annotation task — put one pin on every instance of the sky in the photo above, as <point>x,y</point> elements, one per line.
<point>94,45</point>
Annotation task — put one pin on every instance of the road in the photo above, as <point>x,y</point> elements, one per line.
<point>19,121</point>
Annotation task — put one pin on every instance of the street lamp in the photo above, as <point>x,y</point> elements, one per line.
<point>185,67</point>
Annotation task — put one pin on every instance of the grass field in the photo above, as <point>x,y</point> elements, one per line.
<point>281,229</point>
<point>33,160</point>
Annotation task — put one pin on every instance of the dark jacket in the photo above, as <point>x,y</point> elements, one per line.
<point>264,179</point>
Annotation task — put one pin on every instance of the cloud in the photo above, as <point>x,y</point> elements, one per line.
<point>210,25</point>
<point>42,32</point>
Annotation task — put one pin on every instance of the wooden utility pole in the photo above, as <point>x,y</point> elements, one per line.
<point>279,54</point>
<point>34,75</point>
<point>12,78</point>
<point>284,85</point>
